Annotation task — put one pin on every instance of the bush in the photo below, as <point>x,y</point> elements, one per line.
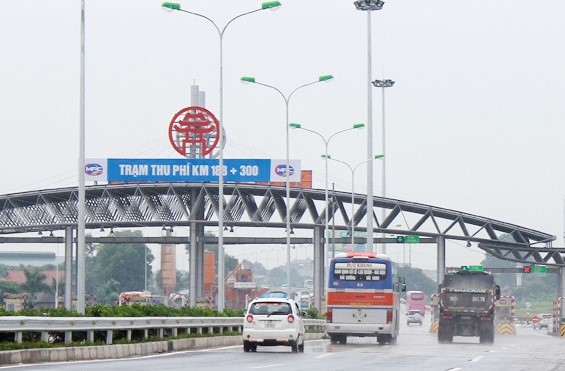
<point>312,313</point>
<point>135,310</point>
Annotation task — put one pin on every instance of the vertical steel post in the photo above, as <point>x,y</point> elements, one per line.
<point>68,267</point>
<point>81,260</point>
<point>440,260</point>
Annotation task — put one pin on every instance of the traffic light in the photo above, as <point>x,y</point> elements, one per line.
<point>526,269</point>
<point>400,239</point>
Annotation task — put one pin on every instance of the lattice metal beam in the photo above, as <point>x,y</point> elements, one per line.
<point>150,205</point>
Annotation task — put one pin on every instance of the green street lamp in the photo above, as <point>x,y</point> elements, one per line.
<point>353,169</point>
<point>383,84</point>
<point>369,6</point>
<point>271,5</point>
<point>286,98</point>
<point>326,157</point>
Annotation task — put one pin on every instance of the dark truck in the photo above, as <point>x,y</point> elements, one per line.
<point>466,306</point>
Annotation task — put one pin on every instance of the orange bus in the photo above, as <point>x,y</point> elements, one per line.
<point>363,298</point>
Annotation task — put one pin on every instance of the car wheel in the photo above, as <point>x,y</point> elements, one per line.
<point>294,347</point>
<point>301,346</point>
<point>246,346</point>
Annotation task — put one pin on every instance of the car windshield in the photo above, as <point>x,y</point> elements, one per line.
<point>270,308</point>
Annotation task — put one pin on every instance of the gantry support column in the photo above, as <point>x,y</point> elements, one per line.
<point>319,259</point>
<point>192,264</point>
<point>196,249</point>
<point>68,267</point>
<point>440,260</point>
<point>200,260</point>
<point>561,290</point>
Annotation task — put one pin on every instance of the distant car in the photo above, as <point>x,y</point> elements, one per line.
<point>414,316</point>
<point>545,320</point>
<point>274,294</point>
<point>271,322</point>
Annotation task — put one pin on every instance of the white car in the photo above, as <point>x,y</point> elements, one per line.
<point>545,321</point>
<point>414,316</point>
<point>271,322</point>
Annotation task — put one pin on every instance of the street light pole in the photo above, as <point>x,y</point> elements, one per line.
<point>81,223</point>
<point>352,169</point>
<point>369,6</point>
<point>252,80</point>
<point>325,157</point>
<point>383,84</point>
<point>272,5</point>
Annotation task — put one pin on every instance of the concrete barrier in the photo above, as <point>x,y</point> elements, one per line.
<point>29,356</point>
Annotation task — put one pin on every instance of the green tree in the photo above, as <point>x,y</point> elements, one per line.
<point>505,280</point>
<point>122,263</point>
<point>108,293</point>
<point>416,280</point>
<point>278,277</point>
<point>9,288</point>
<point>35,280</point>
<point>183,280</point>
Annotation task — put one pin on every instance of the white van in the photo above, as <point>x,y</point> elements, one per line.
<point>545,321</point>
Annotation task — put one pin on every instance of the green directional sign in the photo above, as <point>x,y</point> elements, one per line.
<point>539,268</point>
<point>412,239</point>
<point>400,239</point>
<point>476,268</point>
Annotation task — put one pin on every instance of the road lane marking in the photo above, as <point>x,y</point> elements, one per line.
<point>477,359</point>
<point>269,366</point>
<point>324,355</point>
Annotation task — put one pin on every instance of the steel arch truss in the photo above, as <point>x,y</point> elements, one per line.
<point>174,204</point>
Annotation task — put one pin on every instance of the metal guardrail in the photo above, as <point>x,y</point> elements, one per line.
<point>170,326</point>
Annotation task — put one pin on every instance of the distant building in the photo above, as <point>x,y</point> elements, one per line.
<point>18,276</point>
<point>36,259</point>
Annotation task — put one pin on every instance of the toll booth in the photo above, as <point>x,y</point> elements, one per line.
<point>434,301</point>
<point>558,323</point>
<point>504,313</point>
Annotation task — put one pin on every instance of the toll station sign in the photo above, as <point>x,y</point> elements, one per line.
<point>190,170</point>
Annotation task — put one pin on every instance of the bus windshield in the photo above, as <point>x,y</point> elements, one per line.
<point>359,271</point>
<point>417,296</point>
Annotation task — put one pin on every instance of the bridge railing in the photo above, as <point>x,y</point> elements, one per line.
<point>50,327</point>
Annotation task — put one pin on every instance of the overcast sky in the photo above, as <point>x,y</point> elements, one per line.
<point>474,122</point>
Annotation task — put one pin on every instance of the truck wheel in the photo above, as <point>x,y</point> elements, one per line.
<point>486,333</point>
<point>381,339</point>
<point>343,339</point>
<point>333,339</point>
<point>246,346</point>
<point>445,333</point>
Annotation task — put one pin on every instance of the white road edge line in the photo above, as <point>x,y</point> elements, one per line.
<point>268,366</point>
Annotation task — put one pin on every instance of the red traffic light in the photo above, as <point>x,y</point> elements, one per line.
<point>527,269</point>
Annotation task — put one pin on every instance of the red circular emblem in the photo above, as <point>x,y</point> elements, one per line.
<point>194,130</point>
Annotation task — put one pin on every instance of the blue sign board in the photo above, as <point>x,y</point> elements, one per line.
<point>190,170</point>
